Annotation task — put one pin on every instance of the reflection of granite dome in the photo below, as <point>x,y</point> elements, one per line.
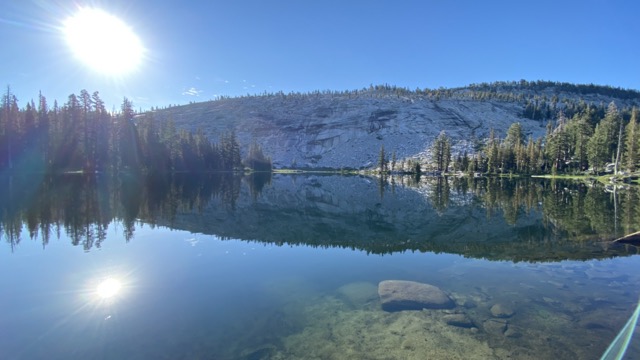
<point>438,216</point>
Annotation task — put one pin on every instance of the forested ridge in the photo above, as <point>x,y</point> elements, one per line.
<point>591,140</point>
<point>580,135</point>
<point>81,135</point>
<point>514,91</point>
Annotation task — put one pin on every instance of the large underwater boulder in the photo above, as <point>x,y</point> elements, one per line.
<point>398,295</point>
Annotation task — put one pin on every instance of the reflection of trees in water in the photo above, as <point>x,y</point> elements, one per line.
<point>257,181</point>
<point>84,206</point>
<point>578,209</point>
<point>439,194</point>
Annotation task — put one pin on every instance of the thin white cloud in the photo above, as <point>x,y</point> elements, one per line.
<point>192,92</point>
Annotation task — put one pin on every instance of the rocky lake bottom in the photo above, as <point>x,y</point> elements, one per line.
<point>526,311</point>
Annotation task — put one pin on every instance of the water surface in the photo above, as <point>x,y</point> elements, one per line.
<point>288,268</point>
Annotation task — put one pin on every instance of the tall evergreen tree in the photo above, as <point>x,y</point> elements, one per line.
<point>230,152</point>
<point>611,123</point>
<point>43,129</point>
<point>256,160</point>
<point>515,136</point>
<point>8,127</point>
<point>394,160</point>
<point>492,152</point>
<point>632,142</point>
<point>441,152</point>
<point>382,160</point>
<point>126,136</point>
<point>558,145</point>
<point>580,132</point>
<point>465,161</point>
<point>597,148</point>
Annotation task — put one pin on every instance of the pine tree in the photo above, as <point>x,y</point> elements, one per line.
<point>43,129</point>
<point>632,142</point>
<point>514,136</point>
<point>611,124</point>
<point>441,152</point>
<point>580,132</point>
<point>597,151</point>
<point>512,154</point>
<point>71,153</point>
<point>465,161</point>
<point>522,160</point>
<point>101,124</point>
<point>532,157</point>
<point>382,160</point>
<point>394,160</point>
<point>169,138</point>
<point>127,137</point>
<point>8,126</point>
<point>558,145</point>
<point>493,160</point>
<point>256,160</point>
<point>230,152</point>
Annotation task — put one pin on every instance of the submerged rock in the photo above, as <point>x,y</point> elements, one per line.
<point>596,274</point>
<point>502,310</point>
<point>512,333</point>
<point>495,326</point>
<point>262,353</point>
<point>398,295</point>
<point>459,320</point>
<point>358,294</point>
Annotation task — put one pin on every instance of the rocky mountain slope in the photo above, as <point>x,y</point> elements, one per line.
<point>347,129</point>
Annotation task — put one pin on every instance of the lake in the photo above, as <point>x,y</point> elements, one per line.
<point>288,267</point>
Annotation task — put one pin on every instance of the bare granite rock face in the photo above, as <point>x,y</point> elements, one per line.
<point>337,131</point>
<point>347,129</point>
<point>398,295</point>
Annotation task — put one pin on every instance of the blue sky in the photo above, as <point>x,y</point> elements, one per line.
<point>197,50</point>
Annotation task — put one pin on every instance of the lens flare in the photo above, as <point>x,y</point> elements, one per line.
<point>108,288</point>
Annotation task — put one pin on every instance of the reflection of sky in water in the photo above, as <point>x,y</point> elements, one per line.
<point>183,294</point>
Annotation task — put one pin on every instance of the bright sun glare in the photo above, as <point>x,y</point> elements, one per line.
<point>103,42</point>
<point>108,288</point>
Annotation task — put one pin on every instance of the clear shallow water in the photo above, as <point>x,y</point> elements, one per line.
<point>187,295</point>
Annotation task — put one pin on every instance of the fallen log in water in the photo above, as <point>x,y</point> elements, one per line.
<point>633,239</point>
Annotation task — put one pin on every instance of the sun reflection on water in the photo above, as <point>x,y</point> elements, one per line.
<point>108,288</point>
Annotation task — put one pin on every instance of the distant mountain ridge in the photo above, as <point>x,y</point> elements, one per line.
<point>333,129</point>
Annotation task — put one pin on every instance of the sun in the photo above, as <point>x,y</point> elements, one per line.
<point>103,42</point>
<point>108,288</point>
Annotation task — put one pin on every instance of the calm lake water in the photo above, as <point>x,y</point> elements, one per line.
<point>217,267</point>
